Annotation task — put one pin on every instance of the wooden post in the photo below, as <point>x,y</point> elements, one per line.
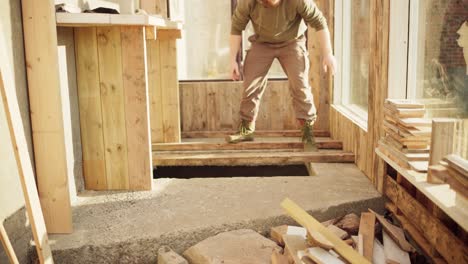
<point>40,41</point>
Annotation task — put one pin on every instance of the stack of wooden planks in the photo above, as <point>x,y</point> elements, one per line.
<point>453,169</point>
<point>407,134</point>
<point>348,239</point>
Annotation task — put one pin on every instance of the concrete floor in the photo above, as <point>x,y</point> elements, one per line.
<point>130,227</point>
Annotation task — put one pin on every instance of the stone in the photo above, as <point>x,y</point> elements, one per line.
<point>240,246</point>
<point>167,256</point>
<point>349,223</point>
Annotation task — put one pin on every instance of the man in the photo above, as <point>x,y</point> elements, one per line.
<point>279,34</point>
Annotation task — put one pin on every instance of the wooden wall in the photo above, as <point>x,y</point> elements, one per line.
<point>363,142</point>
<point>214,106</point>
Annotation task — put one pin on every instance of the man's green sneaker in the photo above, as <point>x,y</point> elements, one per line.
<point>245,133</point>
<point>308,136</point>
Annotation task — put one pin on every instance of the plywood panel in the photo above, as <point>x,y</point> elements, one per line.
<point>40,38</point>
<point>136,108</point>
<point>113,107</point>
<point>89,97</point>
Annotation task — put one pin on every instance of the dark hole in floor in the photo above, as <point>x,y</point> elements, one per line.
<point>187,172</point>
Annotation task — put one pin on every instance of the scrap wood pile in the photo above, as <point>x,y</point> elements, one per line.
<point>407,134</point>
<point>452,170</point>
<point>369,238</point>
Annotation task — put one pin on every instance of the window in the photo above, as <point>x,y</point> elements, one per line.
<point>352,48</point>
<point>438,55</point>
<point>203,51</point>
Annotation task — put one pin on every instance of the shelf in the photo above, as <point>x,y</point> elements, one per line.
<point>455,206</point>
<point>95,19</point>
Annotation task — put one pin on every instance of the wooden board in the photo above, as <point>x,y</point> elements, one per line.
<point>293,244</point>
<point>136,107</point>
<point>89,97</point>
<point>158,7</point>
<point>416,234</point>
<point>367,230</point>
<point>307,221</point>
<point>155,91</point>
<point>442,141</point>
<point>24,164</point>
<point>393,253</point>
<point>446,243</point>
<point>113,107</point>
<point>259,143</point>
<point>8,248</point>
<point>97,19</point>
<point>258,133</point>
<point>321,256</point>
<point>40,43</point>
<point>395,233</point>
<point>238,158</point>
<point>378,256</point>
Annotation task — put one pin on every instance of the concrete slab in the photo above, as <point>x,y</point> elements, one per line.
<point>131,227</point>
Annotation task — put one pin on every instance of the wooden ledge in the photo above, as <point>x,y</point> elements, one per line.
<point>95,19</point>
<point>440,194</point>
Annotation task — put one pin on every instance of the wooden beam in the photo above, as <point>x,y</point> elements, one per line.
<point>215,158</point>
<point>89,98</point>
<point>10,251</point>
<point>169,34</point>
<point>140,167</point>
<point>40,42</point>
<point>24,164</point>
<point>367,230</point>
<point>438,235</point>
<point>311,224</point>
<point>258,133</point>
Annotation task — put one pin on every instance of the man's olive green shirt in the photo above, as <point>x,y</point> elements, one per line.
<point>282,23</point>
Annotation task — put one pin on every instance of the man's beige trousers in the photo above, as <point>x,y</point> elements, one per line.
<point>294,60</point>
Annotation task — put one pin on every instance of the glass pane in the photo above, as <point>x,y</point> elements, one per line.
<point>356,50</point>
<point>275,71</point>
<point>442,81</point>
<point>203,51</point>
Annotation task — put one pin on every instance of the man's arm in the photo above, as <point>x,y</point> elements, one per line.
<point>235,44</point>
<point>314,18</point>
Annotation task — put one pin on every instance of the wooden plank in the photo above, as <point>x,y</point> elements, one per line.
<point>9,250</point>
<point>168,34</point>
<point>378,256</point>
<point>416,234</point>
<point>113,107</point>
<point>321,256</point>
<point>442,140</point>
<point>252,158</point>
<point>293,244</point>
<point>140,165</point>
<point>23,162</point>
<point>446,243</point>
<point>155,91</point>
<point>258,133</point>
<point>322,143</point>
<point>40,39</point>
<point>97,19</point>
<point>89,98</point>
<point>307,221</point>
<point>170,90</point>
<point>393,253</point>
<point>367,230</point>
<point>338,232</point>
<point>395,233</point>
<point>458,163</point>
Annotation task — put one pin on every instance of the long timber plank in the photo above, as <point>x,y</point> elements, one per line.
<point>263,143</point>
<point>259,133</point>
<point>249,158</point>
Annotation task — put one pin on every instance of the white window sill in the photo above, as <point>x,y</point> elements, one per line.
<point>354,113</point>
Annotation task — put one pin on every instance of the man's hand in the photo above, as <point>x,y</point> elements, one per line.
<point>329,63</point>
<point>235,74</point>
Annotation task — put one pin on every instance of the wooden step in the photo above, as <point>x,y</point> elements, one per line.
<point>258,133</point>
<point>249,158</point>
<point>259,143</point>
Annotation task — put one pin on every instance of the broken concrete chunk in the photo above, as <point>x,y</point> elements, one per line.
<point>349,223</point>
<point>168,256</point>
<point>240,246</point>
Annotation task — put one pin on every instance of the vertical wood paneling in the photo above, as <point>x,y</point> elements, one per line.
<point>40,39</point>
<point>89,97</point>
<point>113,106</point>
<point>155,91</point>
<point>136,108</point>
